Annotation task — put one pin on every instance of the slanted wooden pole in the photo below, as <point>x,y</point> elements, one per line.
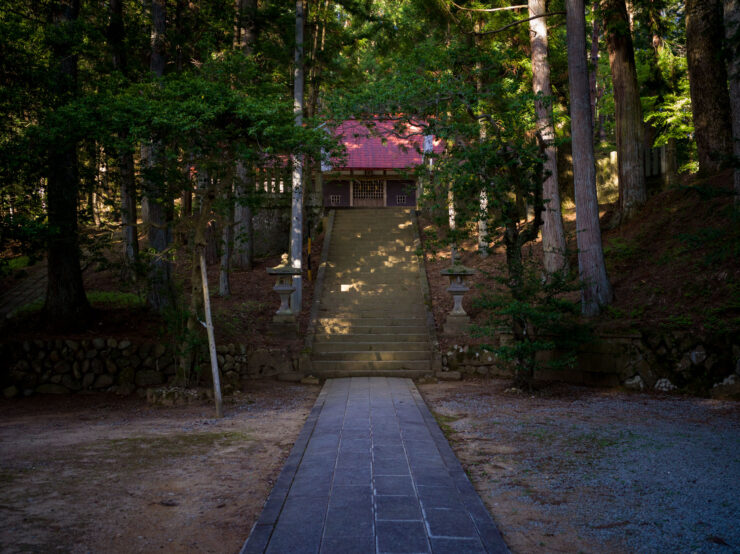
<point>211,339</point>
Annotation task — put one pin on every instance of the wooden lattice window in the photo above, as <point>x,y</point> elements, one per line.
<point>335,199</point>
<point>368,190</point>
<point>401,199</point>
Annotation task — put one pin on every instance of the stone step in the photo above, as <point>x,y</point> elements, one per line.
<point>340,286</point>
<point>362,311</point>
<point>369,329</point>
<point>375,240</point>
<point>378,338</point>
<point>349,247</point>
<point>347,346</point>
<point>373,356</point>
<point>399,295</point>
<point>348,276</point>
<point>340,373</point>
<point>395,365</point>
<point>372,315</point>
<point>358,214</point>
<point>372,261</point>
<point>401,298</point>
<point>410,275</point>
<point>355,312</point>
<point>373,321</point>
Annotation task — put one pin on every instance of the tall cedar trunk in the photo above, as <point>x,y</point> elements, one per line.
<point>319,40</point>
<point>243,253</point>
<point>732,32</point>
<point>157,221</point>
<point>66,303</point>
<point>483,237</point>
<point>181,35</point>
<point>654,86</point>
<point>452,223</point>
<point>224,282</point>
<point>116,35</point>
<point>188,349</point>
<point>243,230</point>
<point>710,100</point>
<point>594,69</point>
<point>553,235</point>
<point>296,209</point>
<point>630,129</point>
<point>597,290</point>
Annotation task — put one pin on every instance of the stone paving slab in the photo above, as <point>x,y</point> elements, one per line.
<point>371,472</point>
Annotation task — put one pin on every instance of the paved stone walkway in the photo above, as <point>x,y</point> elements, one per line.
<point>371,472</point>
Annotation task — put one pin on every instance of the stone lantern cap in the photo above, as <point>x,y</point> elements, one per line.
<point>458,270</point>
<point>284,268</point>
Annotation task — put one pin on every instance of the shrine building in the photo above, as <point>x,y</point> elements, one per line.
<point>378,168</point>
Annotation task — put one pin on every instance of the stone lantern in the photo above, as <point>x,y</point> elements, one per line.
<point>457,321</point>
<point>284,320</point>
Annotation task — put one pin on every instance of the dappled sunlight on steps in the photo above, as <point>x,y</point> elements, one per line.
<point>372,318</point>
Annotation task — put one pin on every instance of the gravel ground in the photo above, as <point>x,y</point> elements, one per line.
<point>580,469</point>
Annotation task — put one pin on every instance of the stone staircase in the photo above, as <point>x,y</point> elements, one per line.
<point>372,318</point>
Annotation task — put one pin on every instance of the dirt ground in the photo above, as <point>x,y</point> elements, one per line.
<point>574,469</point>
<point>97,473</point>
<point>567,469</point>
<point>674,267</point>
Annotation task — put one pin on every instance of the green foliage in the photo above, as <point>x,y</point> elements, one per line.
<point>100,299</point>
<point>23,235</point>
<point>621,249</point>
<point>677,322</point>
<point>189,342</point>
<point>115,299</point>
<point>545,325</point>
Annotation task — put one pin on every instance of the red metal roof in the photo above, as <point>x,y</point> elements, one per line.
<point>380,147</point>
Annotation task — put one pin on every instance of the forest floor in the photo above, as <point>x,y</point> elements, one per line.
<point>119,307</point>
<point>575,469</point>
<point>566,469</point>
<point>674,266</point>
<point>99,473</point>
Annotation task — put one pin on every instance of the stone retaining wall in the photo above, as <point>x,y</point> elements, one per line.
<point>643,361</point>
<point>120,365</point>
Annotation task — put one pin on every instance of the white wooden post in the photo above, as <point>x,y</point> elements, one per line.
<point>211,339</point>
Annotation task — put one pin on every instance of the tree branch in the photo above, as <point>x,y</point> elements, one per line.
<point>519,7</point>
<point>516,23</point>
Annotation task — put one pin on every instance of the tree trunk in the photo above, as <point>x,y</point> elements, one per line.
<point>732,32</point>
<point>128,208</point>
<point>66,303</point>
<point>597,290</point>
<point>594,69</point>
<point>670,175</point>
<point>483,237</point>
<point>553,235</point>
<point>630,127</point>
<point>189,351</point>
<point>452,223</point>
<point>296,209</point>
<point>243,229</point>
<point>708,83</point>
<point>160,294</point>
<point>227,247</point>
<point>130,235</point>
<point>212,242</point>
<point>158,59</point>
